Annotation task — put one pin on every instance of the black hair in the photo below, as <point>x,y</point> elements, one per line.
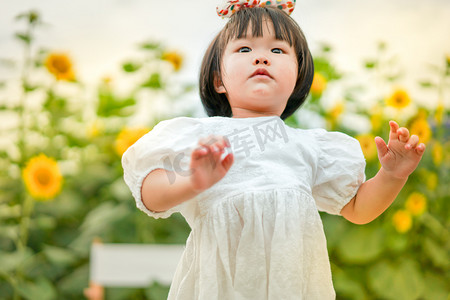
<point>285,28</point>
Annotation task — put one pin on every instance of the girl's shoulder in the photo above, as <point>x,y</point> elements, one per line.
<point>180,121</point>
<point>328,143</point>
<point>321,135</point>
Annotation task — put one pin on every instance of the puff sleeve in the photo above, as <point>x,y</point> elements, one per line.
<point>167,146</point>
<point>340,170</point>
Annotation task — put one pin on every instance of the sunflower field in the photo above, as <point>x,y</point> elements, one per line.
<point>61,184</point>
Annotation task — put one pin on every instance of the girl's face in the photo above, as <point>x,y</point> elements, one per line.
<point>258,74</point>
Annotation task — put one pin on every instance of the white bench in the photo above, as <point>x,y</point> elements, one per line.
<point>130,265</point>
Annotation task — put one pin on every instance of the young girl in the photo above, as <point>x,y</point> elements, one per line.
<point>250,186</point>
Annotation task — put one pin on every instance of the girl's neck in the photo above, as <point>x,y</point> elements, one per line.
<point>252,114</point>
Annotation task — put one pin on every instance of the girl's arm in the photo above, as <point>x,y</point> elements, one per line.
<point>163,189</point>
<point>398,160</point>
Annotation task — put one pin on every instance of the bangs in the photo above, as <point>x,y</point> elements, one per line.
<point>258,17</point>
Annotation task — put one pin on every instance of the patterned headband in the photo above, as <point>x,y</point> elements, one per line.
<point>228,8</point>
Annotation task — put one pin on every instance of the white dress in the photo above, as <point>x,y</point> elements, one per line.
<point>257,233</point>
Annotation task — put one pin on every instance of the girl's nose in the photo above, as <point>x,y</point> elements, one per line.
<point>261,60</point>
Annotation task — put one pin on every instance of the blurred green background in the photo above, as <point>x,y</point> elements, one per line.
<point>61,180</point>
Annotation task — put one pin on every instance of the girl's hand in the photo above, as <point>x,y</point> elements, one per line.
<point>402,154</point>
<point>206,167</point>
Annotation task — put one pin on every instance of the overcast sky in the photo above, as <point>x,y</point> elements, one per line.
<point>98,34</point>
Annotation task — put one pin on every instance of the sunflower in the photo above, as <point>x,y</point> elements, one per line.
<point>416,203</point>
<point>376,121</point>
<point>174,58</point>
<point>42,177</point>
<point>402,221</point>
<point>431,179</point>
<point>127,137</point>
<point>368,145</point>
<point>319,84</point>
<point>60,66</point>
<point>337,110</point>
<point>94,129</point>
<point>399,99</point>
<point>439,114</point>
<point>422,129</point>
<point>437,153</point>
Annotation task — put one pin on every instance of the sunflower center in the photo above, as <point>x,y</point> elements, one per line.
<point>43,177</point>
<point>399,100</point>
<point>61,65</point>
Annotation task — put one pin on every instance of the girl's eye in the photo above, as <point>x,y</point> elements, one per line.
<point>244,49</point>
<point>277,51</point>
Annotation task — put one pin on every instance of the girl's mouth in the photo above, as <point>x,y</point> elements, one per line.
<point>261,72</point>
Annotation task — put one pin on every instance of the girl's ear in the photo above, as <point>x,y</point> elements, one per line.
<point>218,85</point>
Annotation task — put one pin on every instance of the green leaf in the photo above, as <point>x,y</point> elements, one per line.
<point>157,291</point>
<point>392,78</point>
<point>347,286</point>
<point>24,37</point>
<point>370,64</point>
<point>323,66</point>
<point>97,223</point>
<point>402,281</point>
<point>326,48</point>
<point>382,46</point>
<point>334,227</point>
<point>292,121</point>
<point>120,190</point>
<point>361,244</point>
<point>59,256</point>
<point>397,242</point>
<point>114,293</point>
<point>131,67</point>
<point>426,84</point>
<point>9,211</point>
<point>32,17</point>
<point>150,46</point>
<point>437,254</point>
<point>41,289</point>
<point>435,287</point>
<point>28,87</point>
<point>73,283</point>
<point>153,82</point>
<point>10,261</point>
<point>109,105</point>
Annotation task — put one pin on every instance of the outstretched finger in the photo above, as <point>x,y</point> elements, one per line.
<point>393,132</point>
<point>381,147</point>
<point>199,152</point>
<point>420,149</point>
<point>403,135</point>
<point>412,142</point>
<point>228,161</point>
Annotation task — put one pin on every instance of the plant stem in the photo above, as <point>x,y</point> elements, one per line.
<point>22,104</point>
<point>27,209</point>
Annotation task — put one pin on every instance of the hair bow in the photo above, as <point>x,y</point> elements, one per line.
<point>228,8</point>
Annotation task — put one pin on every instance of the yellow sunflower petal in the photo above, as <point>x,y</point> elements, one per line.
<point>60,66</point>
<point>42,177</point>
<point>368,146</point>
<point>437,153</point>
<point>174,58</point>
<point>399,99</point>
<point>422,129</point>
<point>416,203</point>
<point>127,137</point>
<point>319,84</point>
<point>402,221</point>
